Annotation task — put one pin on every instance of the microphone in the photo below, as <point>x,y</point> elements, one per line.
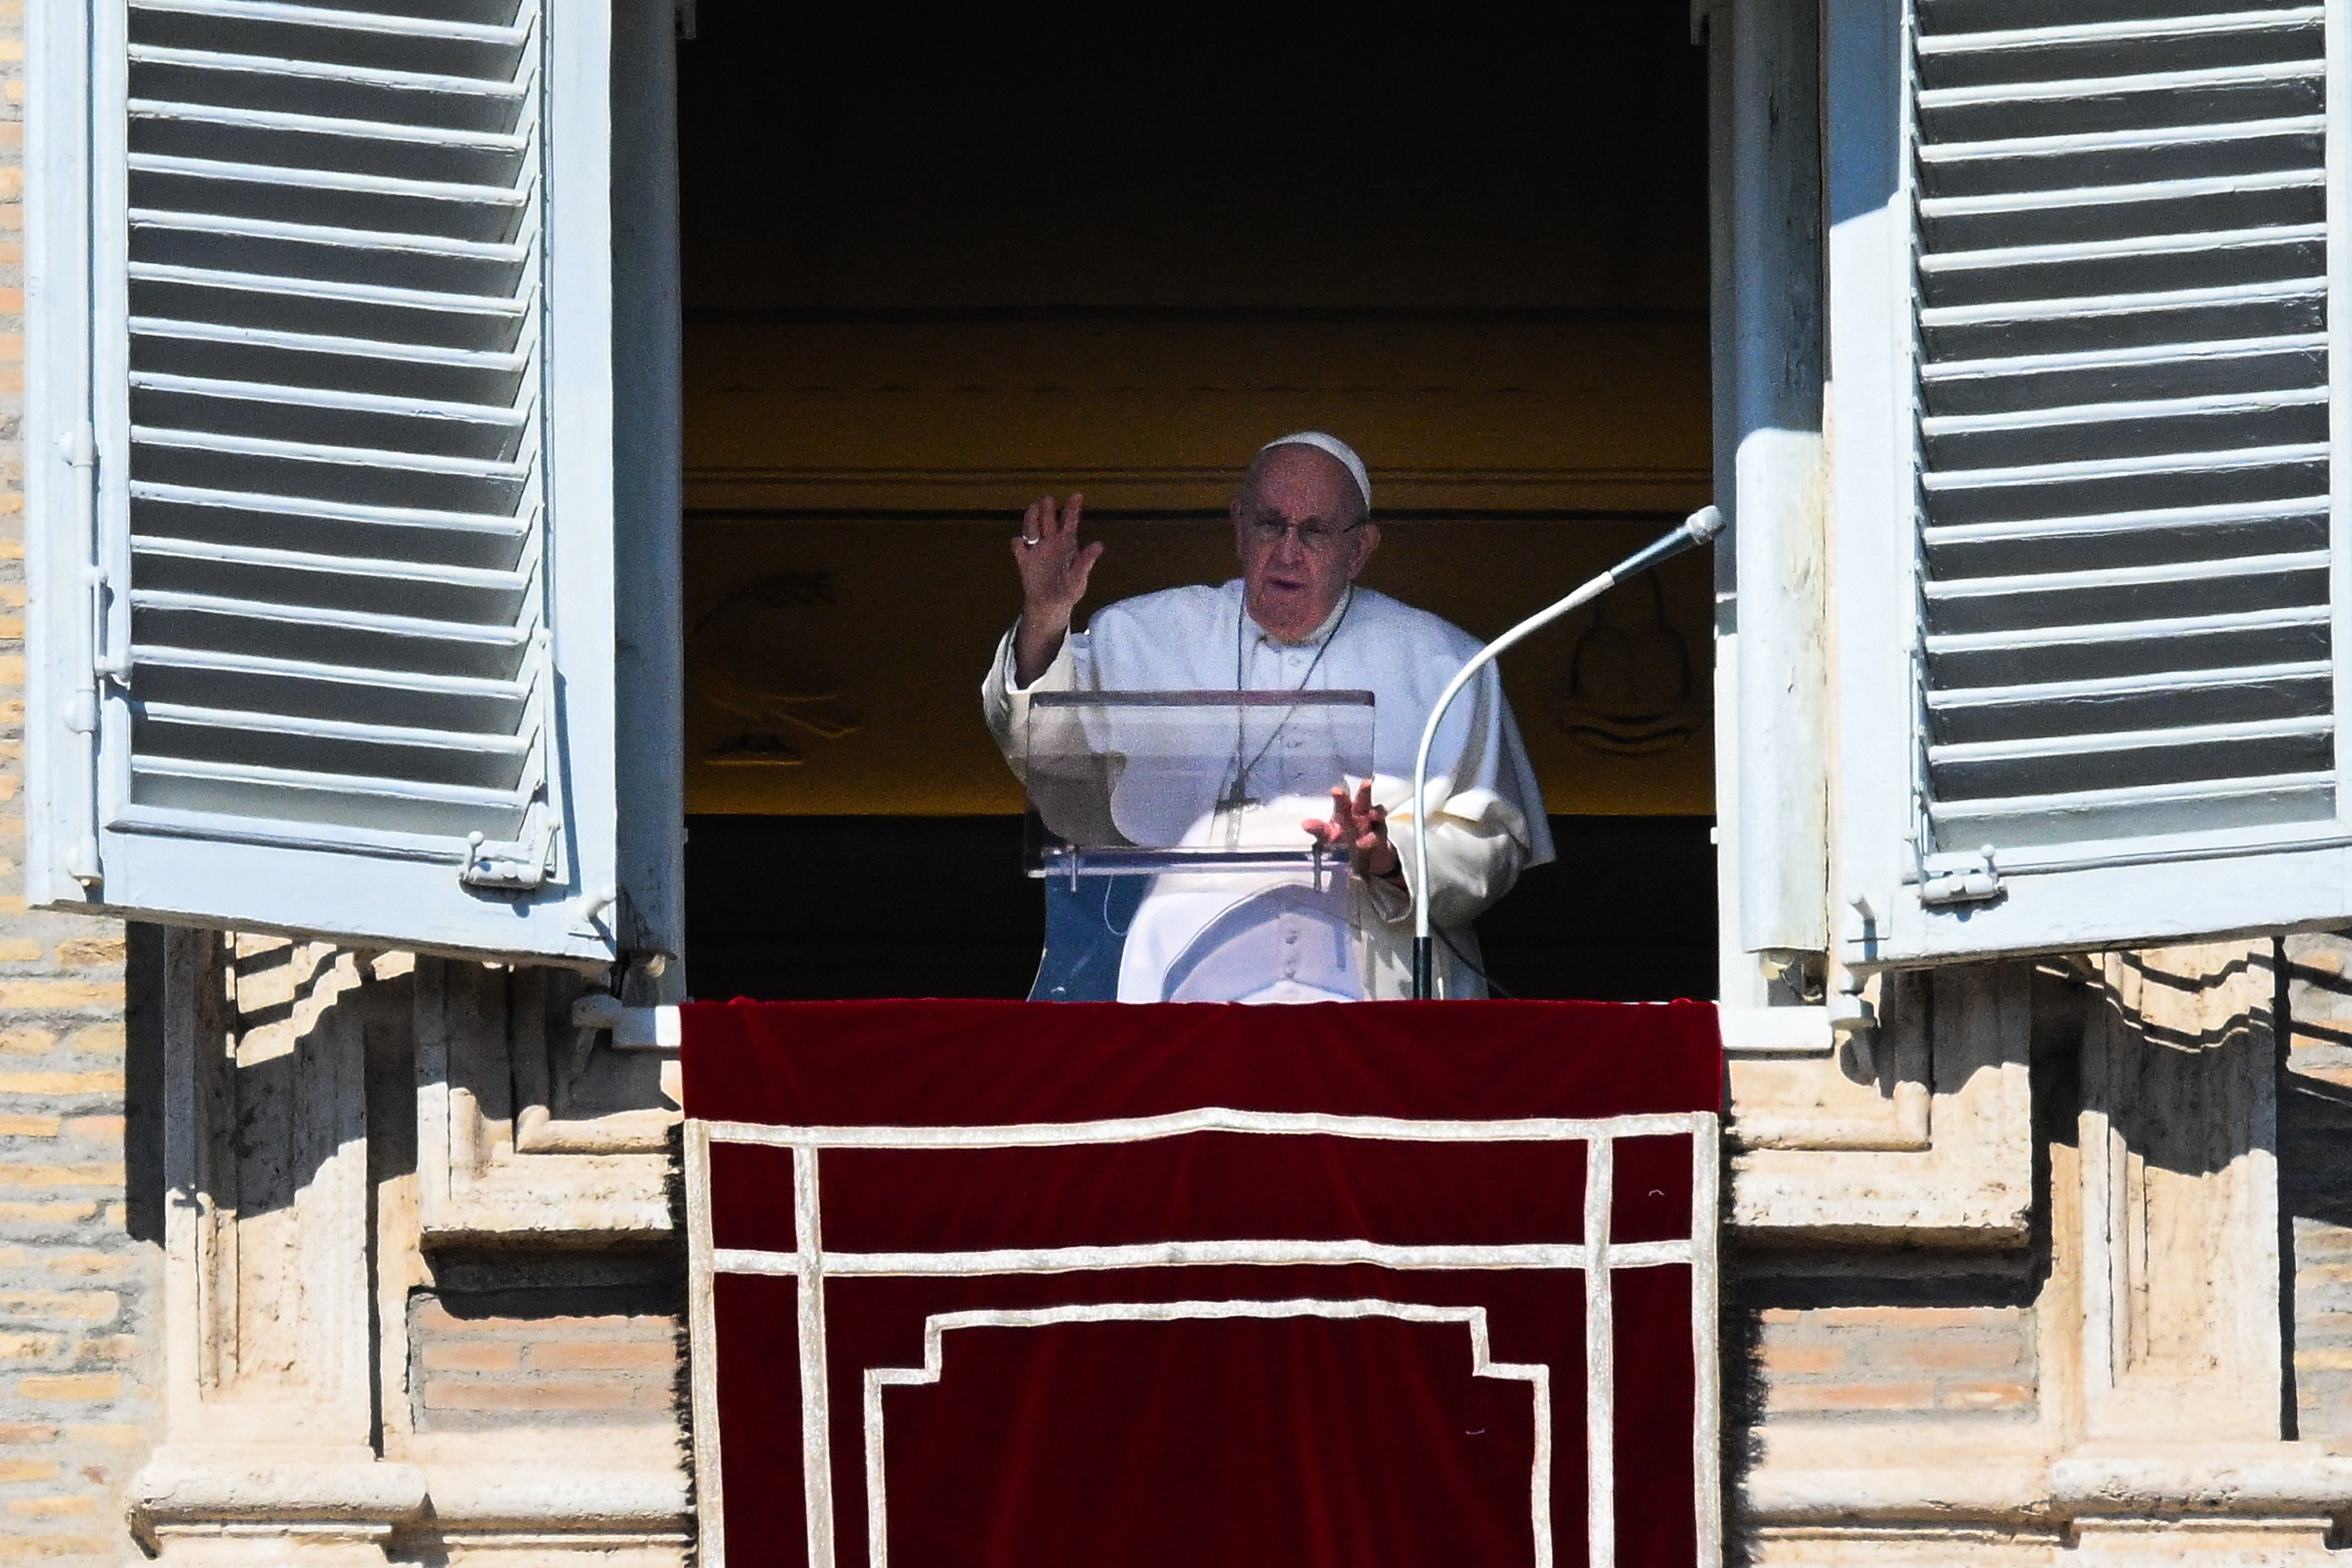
<point>1697,530</point>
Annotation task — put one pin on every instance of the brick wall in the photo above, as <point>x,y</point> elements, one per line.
<point>1813,1338</point>
<point>546,1340</point>
<point>80,1272</point>
<point>1888,1360</point>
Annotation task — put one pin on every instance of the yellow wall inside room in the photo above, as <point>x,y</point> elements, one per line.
<point>1594,412</point>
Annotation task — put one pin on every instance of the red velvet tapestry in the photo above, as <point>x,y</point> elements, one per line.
<point>1013,1285</point>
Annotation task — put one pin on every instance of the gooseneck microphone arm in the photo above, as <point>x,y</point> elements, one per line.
<point>1697,530</point>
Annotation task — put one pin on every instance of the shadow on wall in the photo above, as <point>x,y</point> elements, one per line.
<point>143,1187</point>
<point>2315,1091</point>
<point>804,908</point>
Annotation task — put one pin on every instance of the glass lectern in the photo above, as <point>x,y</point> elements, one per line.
<point>1165,825</point>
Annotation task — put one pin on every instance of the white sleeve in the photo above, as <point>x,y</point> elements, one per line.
<point>1481,835</point>
<point>1477,848</point>
<point>1005,704</point>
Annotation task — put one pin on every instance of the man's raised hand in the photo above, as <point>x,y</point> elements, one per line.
<point>1360,828</point>
<point>1053,569</point>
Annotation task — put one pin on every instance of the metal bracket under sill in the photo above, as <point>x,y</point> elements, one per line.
<point>633,1028</point>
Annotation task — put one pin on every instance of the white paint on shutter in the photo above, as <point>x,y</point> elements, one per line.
<point>2118,230</point>
<point>2125,553</point>
<point>350,510</point>
<point>336,493</point>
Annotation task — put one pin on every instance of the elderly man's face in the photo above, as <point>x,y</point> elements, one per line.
<point>1299,528</point>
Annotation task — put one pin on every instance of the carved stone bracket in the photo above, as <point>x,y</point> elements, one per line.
<point>1922,1135</point>
<point>2177,1198</point>
<point>527,1126</point>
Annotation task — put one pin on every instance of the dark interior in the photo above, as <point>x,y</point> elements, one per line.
<point>1278,157</point>
<point>939,907</point>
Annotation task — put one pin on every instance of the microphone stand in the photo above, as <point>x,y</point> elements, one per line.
<point>1697,530</point>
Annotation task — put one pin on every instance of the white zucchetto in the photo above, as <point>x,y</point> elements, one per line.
<point>1330,447</point>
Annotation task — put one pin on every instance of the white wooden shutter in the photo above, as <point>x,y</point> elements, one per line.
<point>2089,509</point>
<point>323,484</point>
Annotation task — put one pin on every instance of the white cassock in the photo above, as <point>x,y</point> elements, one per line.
<point>1486,824</point>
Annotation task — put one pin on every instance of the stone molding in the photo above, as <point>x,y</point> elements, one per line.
<point>292,1242</point>
<point>524,1127</point>
<point>514,1498</point>
<point>183,1495</point>
<point>1976,1483</point>
<point>1921,1137</point>
<point>198,1483</point>
<point>2157,1433</point>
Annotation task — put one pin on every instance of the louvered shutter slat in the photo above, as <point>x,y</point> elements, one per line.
<point>2123,435</point>
<point>2181,522</point>
<point>272,370</point>
<point>1983,713</point>
<point>2186,805</point>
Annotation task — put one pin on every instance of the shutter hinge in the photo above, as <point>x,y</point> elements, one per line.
<point>1975,880</point>
<point>77,445</point>
<point>520,865</point>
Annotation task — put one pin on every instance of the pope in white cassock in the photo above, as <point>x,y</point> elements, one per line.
<point>1295,619</point>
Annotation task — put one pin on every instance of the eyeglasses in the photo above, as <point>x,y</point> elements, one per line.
<point>1316,536</point>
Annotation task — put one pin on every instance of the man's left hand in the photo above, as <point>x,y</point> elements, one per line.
<point>1360,828</point>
